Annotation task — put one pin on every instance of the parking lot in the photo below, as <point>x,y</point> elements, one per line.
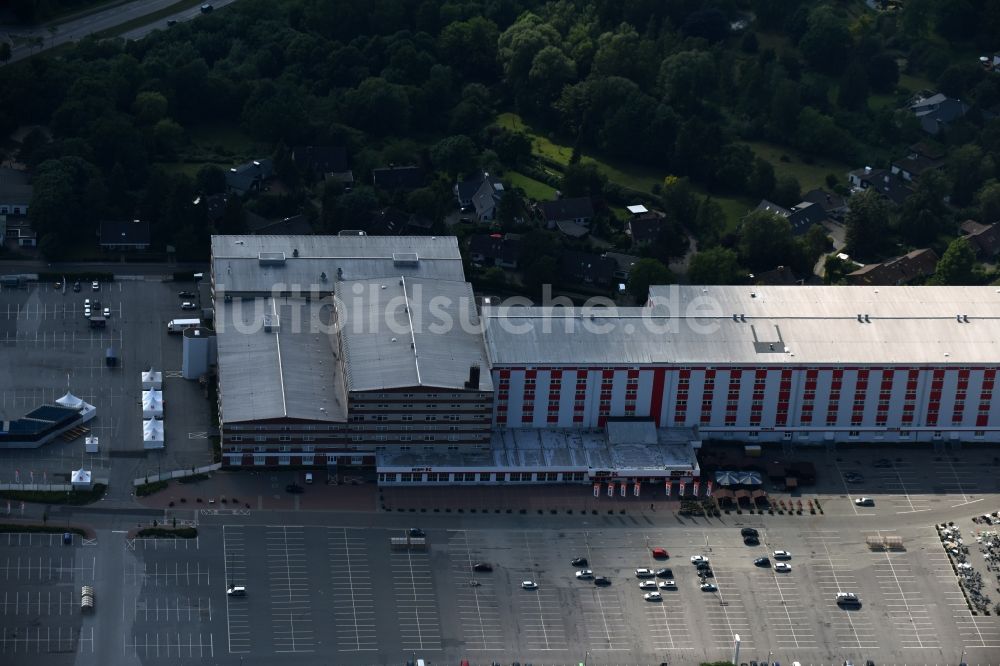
<point>49,348</point>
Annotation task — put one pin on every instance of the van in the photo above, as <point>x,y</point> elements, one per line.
<point>110,357</point>
<point>309,477</point>
<point>237,591</point>
<point>420,662</point>
<point>178,325</point>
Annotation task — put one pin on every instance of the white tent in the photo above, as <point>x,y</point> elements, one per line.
<point>152,404</point>
<point>81,478</point>
<point>152,379</point>
<point>152,434</point>
<point>70,401</point>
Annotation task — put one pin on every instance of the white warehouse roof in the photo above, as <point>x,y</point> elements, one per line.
<point>754,325</point>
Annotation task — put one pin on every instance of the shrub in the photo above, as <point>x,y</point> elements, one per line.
<point>71,497</point>
<point>168,532</point>
<point>147,489</point>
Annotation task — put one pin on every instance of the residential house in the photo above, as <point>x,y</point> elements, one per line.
<point>325,162</point>
<point>15,192</point>
<point>124,235</point>
<point>19,231</point>
<point>394,222</point>
<point>579,210</point>
<point>922,157</point>
<point>466,189</point>
<point>990,63</point>
<point>296,225</point>
<point>576,268</point>
<point>487,198</point>
<point>495,250</point>
<point>834,204</point>
<point>892,187</point>
<point>936,111</point>
<point>801,216</point>
<point>644,225</point>
<point>623,263</point>
<point>393,178</point>
<point>780,276</point>
<point>915,265</point>
<point>249,177</point>
<point>985,238</point>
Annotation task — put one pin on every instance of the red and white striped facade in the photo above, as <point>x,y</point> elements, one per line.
<point>818,403</point>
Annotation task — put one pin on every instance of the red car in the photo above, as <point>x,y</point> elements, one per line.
<point>660,553</point>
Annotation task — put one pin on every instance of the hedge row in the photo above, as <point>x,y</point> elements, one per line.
<point>169,533</point>
<point>150,488</point>
<point>73,497</point>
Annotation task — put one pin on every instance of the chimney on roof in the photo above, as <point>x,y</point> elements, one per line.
<point>473,382</point>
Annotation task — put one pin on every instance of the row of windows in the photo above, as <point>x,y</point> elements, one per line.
<point>481,477</point>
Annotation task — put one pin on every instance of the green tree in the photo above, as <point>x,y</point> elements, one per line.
<point>168,137</point>
<point>766,241</point>
<point>989,202</point>
<point>679,200</point>
<point>551,69</point>
<point>5,52</point>
<point>957,265</point>
<point>968,169</point>
<point>827,43</point>
<point>716,265</point>
<point>378,106</point>
<point>853,92</point>
<point>455,155</point>
<point>915,18</point>
<point>513,148</point>
<point>867,223</point>
<point>644,273</point>
<point>210,179</point>
<point>762,181</point>
<point>710,221</point>
<point>835,269</point>
<point>234,218</point>
<point>924,215</point>
<point>883,72</point>
<point>582,180</point>
<point>787,191</point>
<point>149,107</point>
<point>540,272</point>
<point>688,78</point>
<point>470,47</point>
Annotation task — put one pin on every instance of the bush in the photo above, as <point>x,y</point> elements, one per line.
<point>6,528</point>
<point>147,489</point>
<point>168,532</point>
<point>72,497</point>
<point>193,479</point>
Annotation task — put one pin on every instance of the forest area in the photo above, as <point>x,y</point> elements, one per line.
<point>700,110</point>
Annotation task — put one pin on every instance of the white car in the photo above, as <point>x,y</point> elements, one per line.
<point>652,596</point>
<point>86,311</point>
<point>783,567</point>
<point>584,573</point>
<point>708,587</point>
<point>529,585</point>
<point>865,501</point>
<point>647,585</point>
<point>107,312</point>
<point>234,590</point>
<point>188,305</point>
<point>695,559</point>
<point>86,302</point>
<point>668,585</point>
<point>782,555</point>
<point>644,573</point>
<point>95,285</point>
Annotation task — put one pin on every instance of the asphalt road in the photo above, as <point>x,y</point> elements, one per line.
<point>105,19</point>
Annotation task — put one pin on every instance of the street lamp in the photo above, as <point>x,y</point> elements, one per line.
<point>961,662</point>
<point>770,653</point>
<point>736,648</point>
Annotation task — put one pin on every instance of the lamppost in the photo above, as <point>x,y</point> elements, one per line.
<point>736,648</point>
<point>770,653</point>
<point>961,661</point>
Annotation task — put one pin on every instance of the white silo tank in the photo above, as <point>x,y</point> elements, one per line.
<point>197,344</point>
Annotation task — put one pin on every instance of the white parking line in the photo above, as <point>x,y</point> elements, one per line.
<point>355,615</point>
<point>843,581</point>
<point>478,608</point>
<point>288,574</point>
<point>543,610</point>
<point>416,605</point>
<point>237,620</point>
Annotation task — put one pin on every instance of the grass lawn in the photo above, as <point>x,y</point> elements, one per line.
<point>224,140</point>
<point>915,83</point>
<point>533,189</point>
<point>639,178</point>
<point>809,175</point>
<point>190,170</point>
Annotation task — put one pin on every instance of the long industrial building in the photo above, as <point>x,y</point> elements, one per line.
<point>371,353</point>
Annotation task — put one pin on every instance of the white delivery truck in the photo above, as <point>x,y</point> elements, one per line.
<point>178,325</point>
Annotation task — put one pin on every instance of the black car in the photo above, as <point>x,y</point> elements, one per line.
<point>579,561</point>
<point>416,532</point>
<point>602,581</point>
<point>171,23</point>
<point>68,538</point>
<point>482,566</point>
<point>185,294</point>
<point>703,564</point>
<point>705,573</point>
<point>762,562</point>
<point>205,9</point>
<point>664,573</point>
<point>751,541</point>
<point>749,532</point>
<point>293,489</point>
<point>76,286</point>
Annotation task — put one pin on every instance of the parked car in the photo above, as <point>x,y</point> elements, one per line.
<point>602,581</point>
<point>853,477</point>
<point>848,599</point>
<point>95,285</point>
<point>206,9</point>
<point>188,305</point>
<point>864,501</point>
<point>171,23</point>
<point>482,567</point>
<point>107,312</point>
<point>782,567</point>
<point>708,587</point>
<point>762,562</point>
<point>76,286</point>
<point>579,561</point>
<point>529,585</point>
<point>236,591</point>
<point>667,585</point>
<point>644,573</point>
<point>660,553</point>
<point>185,294</point>
<point>293,489</point>
<point>652,596</point>
<point>703,565</point>
<point>782,555</point>
<point>68,538</point>
<point>695,559</point>
<point>584,573</point>
<point>705,573</point>
<point>416,532</point>
<point>86,311</point>
<point>664,573</point>
<point>751,541</point>
<point>647,585</point>
<point>749,532</point>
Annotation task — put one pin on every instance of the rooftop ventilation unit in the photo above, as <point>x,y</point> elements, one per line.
<point>405,259</point>
<point>271,323</point>
<point>271,258</point>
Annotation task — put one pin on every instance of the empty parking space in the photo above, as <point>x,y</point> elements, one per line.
<point>351,584</point>
<point>727,614</point>
<point>540,612</point>
<point>790,624</point>
<point>833,571</point>
<point>476,599</point>
<point>237,610</point>
<point>288,590</point>
<point>45,568</point>
<point>415,601</point>
<point>39,603</point>
<point>169,645</point>
<point>912,624</point>
<point>30,639</point>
